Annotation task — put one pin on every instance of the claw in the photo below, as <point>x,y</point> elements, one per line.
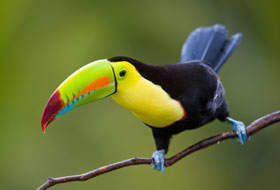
<point>158,160</point>
<point>239,128</point>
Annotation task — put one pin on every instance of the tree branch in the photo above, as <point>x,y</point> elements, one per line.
<point>254,127</point>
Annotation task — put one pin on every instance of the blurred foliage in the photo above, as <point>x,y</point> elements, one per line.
<point>42,42</point>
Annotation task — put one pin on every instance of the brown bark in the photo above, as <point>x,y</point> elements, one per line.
<point>254,127</point>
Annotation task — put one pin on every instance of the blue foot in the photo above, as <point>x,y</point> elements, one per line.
<point>239,128</point>
<point>158,160</point>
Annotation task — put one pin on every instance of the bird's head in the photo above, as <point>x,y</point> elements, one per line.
<point>90,83</point>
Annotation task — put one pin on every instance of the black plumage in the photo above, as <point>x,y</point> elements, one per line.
<point>193,81</point>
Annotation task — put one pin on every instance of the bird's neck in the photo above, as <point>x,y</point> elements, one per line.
<point>149,103</point>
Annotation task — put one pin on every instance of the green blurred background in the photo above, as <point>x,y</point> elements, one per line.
<point>42,42</point>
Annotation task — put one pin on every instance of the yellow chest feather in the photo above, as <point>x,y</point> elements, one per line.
<point>149,103</point>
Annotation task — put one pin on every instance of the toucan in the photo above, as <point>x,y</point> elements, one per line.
<point>168,98</point>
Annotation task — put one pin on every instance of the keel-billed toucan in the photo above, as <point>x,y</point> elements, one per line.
<point>167,98</point>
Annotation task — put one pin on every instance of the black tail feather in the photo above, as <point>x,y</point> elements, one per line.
<point>210,44</point>
<point>228,49</point>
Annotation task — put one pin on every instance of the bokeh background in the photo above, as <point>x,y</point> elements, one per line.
<point>42,42</point>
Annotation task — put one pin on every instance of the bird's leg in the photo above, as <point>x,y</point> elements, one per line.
<point>239,128</point>
<point>158,160</point>
<point>162,143</point>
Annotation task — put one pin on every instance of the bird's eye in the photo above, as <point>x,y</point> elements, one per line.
<point>122,73</point>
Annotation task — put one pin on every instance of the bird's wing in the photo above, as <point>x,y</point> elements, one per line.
<point>218,99</point>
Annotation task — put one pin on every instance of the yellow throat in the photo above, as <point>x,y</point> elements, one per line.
<point>146,100</point>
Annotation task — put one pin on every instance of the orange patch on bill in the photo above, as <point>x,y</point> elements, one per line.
<point>99,83</point>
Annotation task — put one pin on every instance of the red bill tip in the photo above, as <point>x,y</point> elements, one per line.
<point>53,106</point>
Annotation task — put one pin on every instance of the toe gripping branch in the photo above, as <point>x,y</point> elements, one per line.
<point>239,128</point>
<point>158,160</point>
